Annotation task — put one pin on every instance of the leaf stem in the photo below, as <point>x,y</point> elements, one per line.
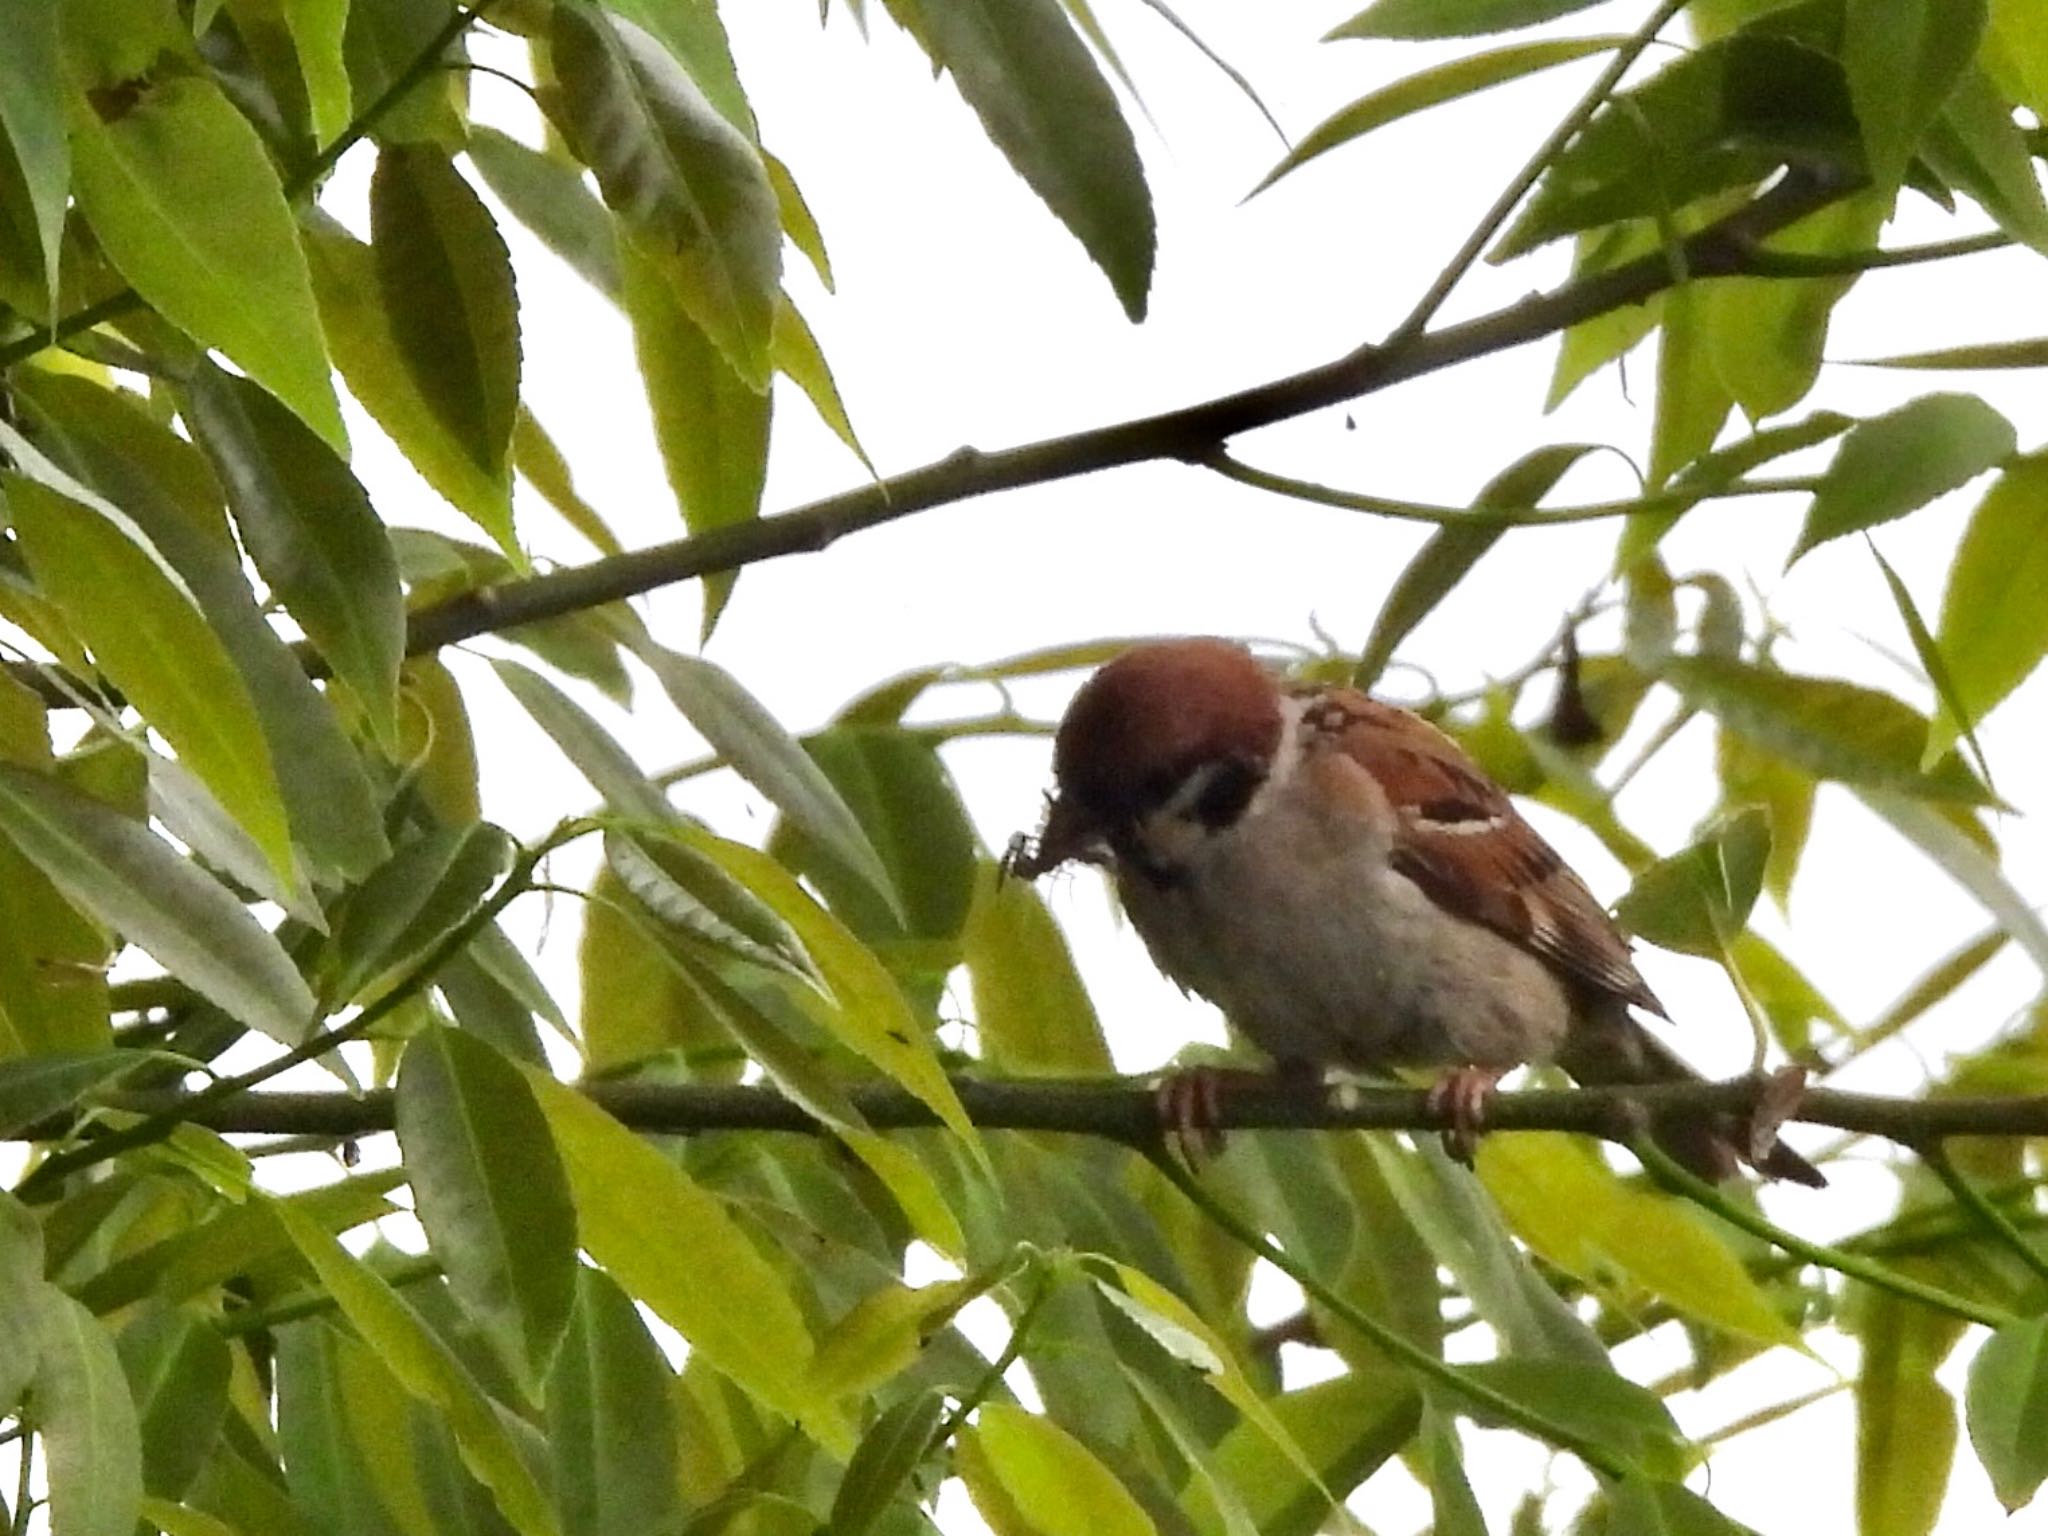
<point>1395,1345</point>
<point>1990,1217</point>
<point>1665,1171</point>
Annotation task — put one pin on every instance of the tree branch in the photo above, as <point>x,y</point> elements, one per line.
<point>1126,1110</point>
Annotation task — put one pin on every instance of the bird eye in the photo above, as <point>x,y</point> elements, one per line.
<point>1217,793</point>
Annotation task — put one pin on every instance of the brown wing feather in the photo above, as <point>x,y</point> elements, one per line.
<point>1463,842</point>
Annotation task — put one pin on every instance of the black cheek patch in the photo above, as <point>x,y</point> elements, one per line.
<point>1232,783</point>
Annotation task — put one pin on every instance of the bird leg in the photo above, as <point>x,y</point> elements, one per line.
<point>1461,1095</point>
<point>1190,1102</point>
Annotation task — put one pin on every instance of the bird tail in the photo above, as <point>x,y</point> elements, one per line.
<point>1612,1048</point>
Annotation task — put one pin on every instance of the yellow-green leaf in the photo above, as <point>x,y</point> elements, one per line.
<point>1029,1477</point>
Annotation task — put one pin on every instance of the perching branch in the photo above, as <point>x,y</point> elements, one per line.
<point>1125,1110</point>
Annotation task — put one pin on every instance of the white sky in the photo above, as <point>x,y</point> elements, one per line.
<point>966,315</point>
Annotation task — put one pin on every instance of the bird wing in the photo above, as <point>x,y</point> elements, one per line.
<point>1460,839</point>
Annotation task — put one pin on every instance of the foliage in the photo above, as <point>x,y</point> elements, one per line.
<point>239,827</point>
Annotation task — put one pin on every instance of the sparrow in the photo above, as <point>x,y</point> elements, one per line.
<point>1350,888</point>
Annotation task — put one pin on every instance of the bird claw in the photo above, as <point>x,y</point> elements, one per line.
<point>1190,1103</point>
<point>1461,1096</point>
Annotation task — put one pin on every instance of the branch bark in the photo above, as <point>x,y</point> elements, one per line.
<point>1121,1109</point>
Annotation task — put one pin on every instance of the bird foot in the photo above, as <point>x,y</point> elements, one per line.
<point>1190,1101</point>
<point>1461,1096</point>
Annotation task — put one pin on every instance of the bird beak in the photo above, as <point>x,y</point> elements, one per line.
<point>1069,833</point>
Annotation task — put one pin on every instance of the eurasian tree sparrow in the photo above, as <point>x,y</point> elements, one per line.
<point>1349,888</point>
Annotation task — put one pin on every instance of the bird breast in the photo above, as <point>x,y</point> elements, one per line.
<point>1293,921</point>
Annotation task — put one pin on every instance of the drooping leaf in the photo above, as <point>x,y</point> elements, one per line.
<point>1976,147</point>
<point>363,335</point>
<point>1905,1419</point>
<point>671,1244</point>
<point>185,202</point>
<point>396,917</point>
<point>536,457</point>
<point>1693,401</point>
<point>32,1088</point>
<point>634,1003</point>
<point>1903,57</point>
<point>2029,353</point>
<point>1571,1208</point>
<point>1453,550</point>
<point>1697,900</point>
<point>490,1191</point>
<point>123,874</point>
<point>682,179</point>
<point>1832,729</point>
<point>799,358</point>
<point>151,640</point>
<point>86,1420</point>
<point>446,280</point>
<point>1030,1477</point>
<point>709,422</point>
<point>886,1458</point>
<point>178,1369</point>
<point>548,195</point>
<point>1600,1405</point>
<point>32,114</point>
<point>1894,463</point>
<point>1031,1011</point>
<point>428,1369</point>
<point>1750,775</point>
<point>754,743</point>
<point>319,29</point>
<point>1044,103</point>
<point>1429,88</point>
<point>1451,18</point>
<point>1993,630</point>
<point>612,1420</point>
<point>308,524</point>
<point>2005,1403</point>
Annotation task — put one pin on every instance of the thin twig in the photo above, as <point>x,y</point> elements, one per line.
<point>1667,1172</point>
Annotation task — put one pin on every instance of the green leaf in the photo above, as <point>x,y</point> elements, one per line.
<point>695,38</point>
<point>635,1004</point>
<point>595,752</point>
<point>1723,467</point>
<point>366,349</point>
<point>1029,1477</point>
<point>1593,343</point>
<point>672,1245</point>
<point>32,113</point>
<point>536,457</point>
<point>421,894</point>
<point>1031,1011</point>
<point>1349,1427</point>
<point>427,1369</point>
<point>1892,464</point>
<point>149,637</point>
<point>1905,1419</point>
<point>162,483</point>
<point>1975,870</point>
<point>1637,1506</point>
<point>682,179</point>
<point>1976,147</point>
<point>185,202</point>
<point>1570,1207</point>
<point>87,1422</point>
<point>22,1259</point>
<point>177,1368</point>
<point>871,1019</point>
<point>760,751</point>
<point>1452,551</point>
<point>1832,729</point>
<point>683,889</point>
<point>1903,57</point>
<point>548,195</point>
<point>798,357</point>
<point>2006,1402</point>
<point>1456,1511</point>
<point>798,222</point>
<point>337,1408</point>
<point>319,28</point>
<point>710,423</point>
<point>1429,88</point>
<point>446,279</point>
<point>883,1333</point>
<point>1046,106</point>
<point>1692,399</point>
<point>1935,665</point>
<point>2030,353</point>
<point>490,1190</point>
<point>1451,18</point>
<point>308,524</point>
<point>33,1088</point>
<point>383,42</point>
<point>1993,629</point>
<point>1606,1408</point>
<point>612,1420</point>
<point>1697,900</point>
<point>1750,775</point>
<point>131,880</point>
<point>886,1458</point>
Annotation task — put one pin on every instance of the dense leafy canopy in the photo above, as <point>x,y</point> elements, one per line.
<point>239,826</point>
